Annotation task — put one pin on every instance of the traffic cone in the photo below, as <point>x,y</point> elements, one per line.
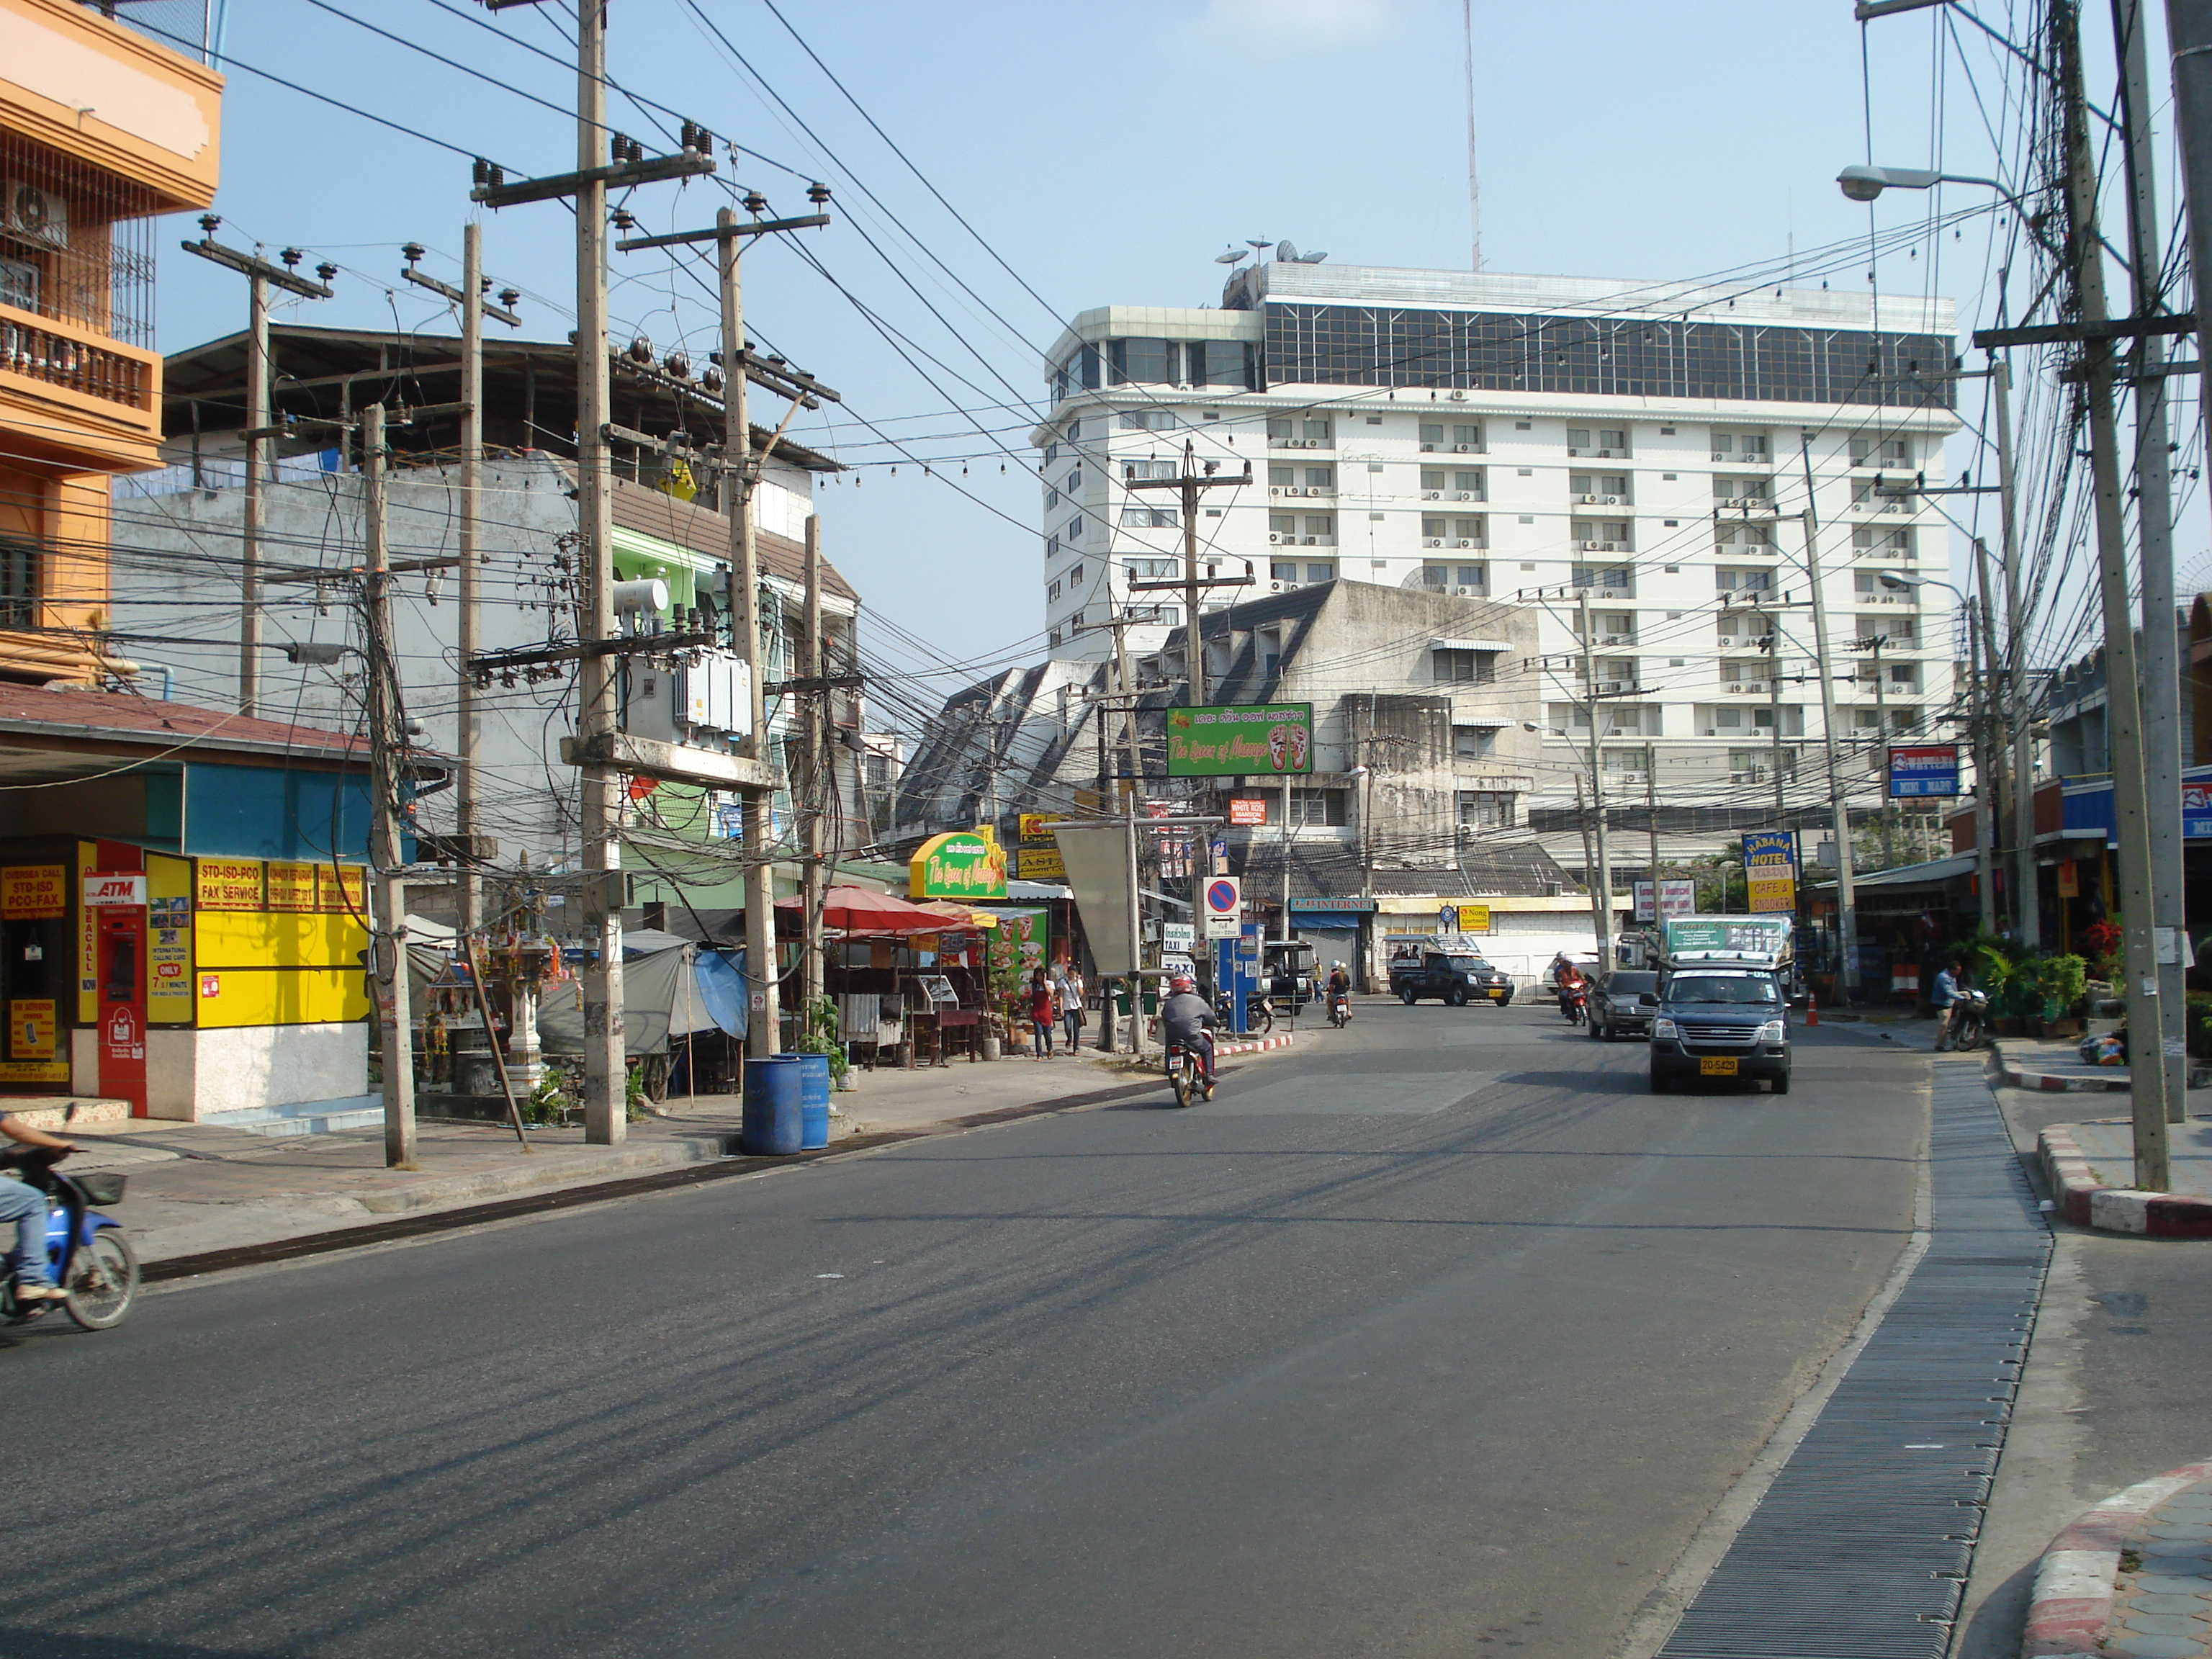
<point>1812,1009</point>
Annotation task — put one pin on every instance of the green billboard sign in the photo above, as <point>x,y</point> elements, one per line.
<point>1239,739</point>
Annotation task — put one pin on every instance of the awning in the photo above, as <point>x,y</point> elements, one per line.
<point>1915,875</point>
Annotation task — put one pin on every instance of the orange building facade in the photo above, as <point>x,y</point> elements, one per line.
<point>101,129</point>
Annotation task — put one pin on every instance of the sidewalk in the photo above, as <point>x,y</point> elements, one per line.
<point>2056,1067</point>
<point>197,1189</point>
<point>2132,1578</point>
<point>2091,1168</point>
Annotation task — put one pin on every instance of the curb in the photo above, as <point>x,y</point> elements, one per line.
<point>2072,1600</point>
<point>2087,1203</point>
<point>1250,1046</point>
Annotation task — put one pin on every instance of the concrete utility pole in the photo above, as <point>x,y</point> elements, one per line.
<point>1847,911</point>
<point>261,275</point>
<point>1652,819</point>
<point>1601,895</point>
<point>606,1064</point>
<point>386,747</point>
<point>1191,486</point>
<point>814,779</point>
<point>2161,651</point>
<point>1774,713</point>
<point>2026,905</point>
<point>2122,671</point>
<point>1989,753</point>
<point>1874,642</point>
<point>1985,809</point>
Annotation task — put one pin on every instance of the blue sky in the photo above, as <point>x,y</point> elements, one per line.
<point>1105,153</point>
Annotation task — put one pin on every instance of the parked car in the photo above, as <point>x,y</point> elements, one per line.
<point>1615,1010</point>
<point>1453,977</point>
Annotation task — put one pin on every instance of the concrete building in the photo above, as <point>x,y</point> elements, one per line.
<point>176,578</point>
<point>1426,746</point>
<point>101,129</point>
<point>1642,447</point>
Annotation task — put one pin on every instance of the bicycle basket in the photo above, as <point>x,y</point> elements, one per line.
<point>105,1188</point>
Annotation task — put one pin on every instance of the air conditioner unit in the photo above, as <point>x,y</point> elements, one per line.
<point>1739,777</point>
<point>34,215</point>
<point>1276,535</point>
<point>1312,541</point>
<point>1433,495</point>
<point>1615,639</point>
<point>1428,449</point>
<point>1585,499</point>
<point>1464,542</point>
<point>1605,686</point>
<point>1612,500</point>
<point>1607,593</point>
<point>1432,541</point>
<point>1467,591</point>
<point>1463,449</point>
<point>1723,455</point>
<point>1459,397</point>
<point>1293,489</point>
<point>1466,495</point>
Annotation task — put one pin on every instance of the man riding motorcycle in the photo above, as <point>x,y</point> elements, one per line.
<point>23,1207</point>
<point>1568,981</point>
<point>1339,986</point>
<point>1186,1019</point>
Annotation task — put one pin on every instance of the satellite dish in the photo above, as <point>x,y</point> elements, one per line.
<point>1311,259</point>
<point>1287,251</point>
<point>1230,257</point>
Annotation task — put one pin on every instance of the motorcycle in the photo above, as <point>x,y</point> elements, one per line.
<point>1574,1004</point>
<point>1186,1074</point>
<point>90,1256</point>
<point>1970,1019</point>
<point>1259,1013</point>
<point>1339,1009</point>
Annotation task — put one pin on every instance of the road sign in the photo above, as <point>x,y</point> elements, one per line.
<point>1248,809</point>
<point>1178,937</point>
<point>1922,769</point>
<point>1224,907</point>
<point>1678,896</point>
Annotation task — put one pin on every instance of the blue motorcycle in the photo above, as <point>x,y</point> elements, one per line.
<point>86,1252</point>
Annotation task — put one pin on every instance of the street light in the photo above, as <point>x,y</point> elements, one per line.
<point>1862,183</point>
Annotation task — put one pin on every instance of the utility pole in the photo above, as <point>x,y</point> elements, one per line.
<point>470,298</point>
<point>261,275</point>
<point>1874,642</point>
<point>2122,671</point>
<point>812,782</point>
<point>606,1061</point>
<point>2161,651</point>
<point>386,745</point>
<point>1191,486</point>
<point>1601,908</point>
<point>1652,819</point>
<point>2026,905</point>
<point>1847,912</point>
<point>1774,712</point>
<point>1989,750</point>
<point>1985,812</point>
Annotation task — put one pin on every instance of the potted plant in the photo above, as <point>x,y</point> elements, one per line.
<point>820,1037</point>
<point>2063,981</point>
<point>991,1034</point>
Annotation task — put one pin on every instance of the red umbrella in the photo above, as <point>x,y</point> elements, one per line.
<point>854,910</point>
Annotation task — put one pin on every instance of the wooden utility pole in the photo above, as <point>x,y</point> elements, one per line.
<point>261,275</point>
<point>1192,486</point>
<point>387,748</point>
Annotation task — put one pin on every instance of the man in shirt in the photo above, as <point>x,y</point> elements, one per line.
<point>1186,1018</point>
<point>23,1207</point>
<point>1945,996</point>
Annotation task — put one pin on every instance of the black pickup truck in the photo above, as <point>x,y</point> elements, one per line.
<point>1452,976</point>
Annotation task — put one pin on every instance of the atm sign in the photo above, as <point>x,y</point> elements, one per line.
<point>115,889</point>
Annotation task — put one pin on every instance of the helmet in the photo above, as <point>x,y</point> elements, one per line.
<point>1182,982</point>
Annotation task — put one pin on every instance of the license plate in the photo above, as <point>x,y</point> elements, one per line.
<point>1717,1066</point>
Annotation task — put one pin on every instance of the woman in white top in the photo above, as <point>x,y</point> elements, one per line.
<point>1071,1005</point>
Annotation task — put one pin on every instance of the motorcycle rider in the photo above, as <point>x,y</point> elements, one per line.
<point>1567,980</point>
<point>23,1207</point>
<point>1945,996</point>
<point>1339,984</point>
<point>1186,1018</point>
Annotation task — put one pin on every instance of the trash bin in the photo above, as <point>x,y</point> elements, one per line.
<point>770,1122</point>
<point>813,1102</point>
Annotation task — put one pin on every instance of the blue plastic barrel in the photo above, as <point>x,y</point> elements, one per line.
<point>813,1102</point>
<point>771,1123</point>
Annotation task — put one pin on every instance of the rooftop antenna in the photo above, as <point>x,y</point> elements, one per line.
<point>1473,181</point>
<point>1231,256</point>
<point>1287,252</point>
<point>1261,243</point>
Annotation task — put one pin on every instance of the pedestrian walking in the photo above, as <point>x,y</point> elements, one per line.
<point>1072,990</point>
<point>1040,1016</point>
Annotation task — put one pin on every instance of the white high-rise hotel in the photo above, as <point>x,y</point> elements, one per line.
<point>1535,438</point>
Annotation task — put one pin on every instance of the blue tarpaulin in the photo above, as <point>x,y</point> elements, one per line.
<point>720,976</point>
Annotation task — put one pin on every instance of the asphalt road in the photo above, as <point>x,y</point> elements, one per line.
<point>1440,1335</point>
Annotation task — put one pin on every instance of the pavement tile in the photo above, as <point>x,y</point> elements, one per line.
<point>2197,1605</point>
<point>2163,1624</point>
<point>2132,1646</point>
<point>2180,1531</point>
<point>2159,1584</point>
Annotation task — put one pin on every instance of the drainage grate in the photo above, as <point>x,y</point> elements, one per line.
<point>1860,1548</point>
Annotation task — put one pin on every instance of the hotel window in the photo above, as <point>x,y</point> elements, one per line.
<point>1139,362</point>
<point>1881,543</point>
<point>1321,529</point>
<point>1282,477</point>
<point>1881,452</point>
<point>1603,442</point>
<point>1743,581</point>
<point>1150,570</point>
<point>1146,420</point>
<point>1074,481</point>
<point>1051,500</point>
<point>1283,526</point>
<point>1149,518</point>
<point>1321,477</point>
<point>1074,531</point>
<point>1282,570</point>
<point>1321,572</point>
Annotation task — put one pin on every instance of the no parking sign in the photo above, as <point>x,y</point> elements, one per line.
<point>1224,907</point>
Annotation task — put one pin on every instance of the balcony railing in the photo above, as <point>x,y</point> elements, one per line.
<point>41,351</point>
